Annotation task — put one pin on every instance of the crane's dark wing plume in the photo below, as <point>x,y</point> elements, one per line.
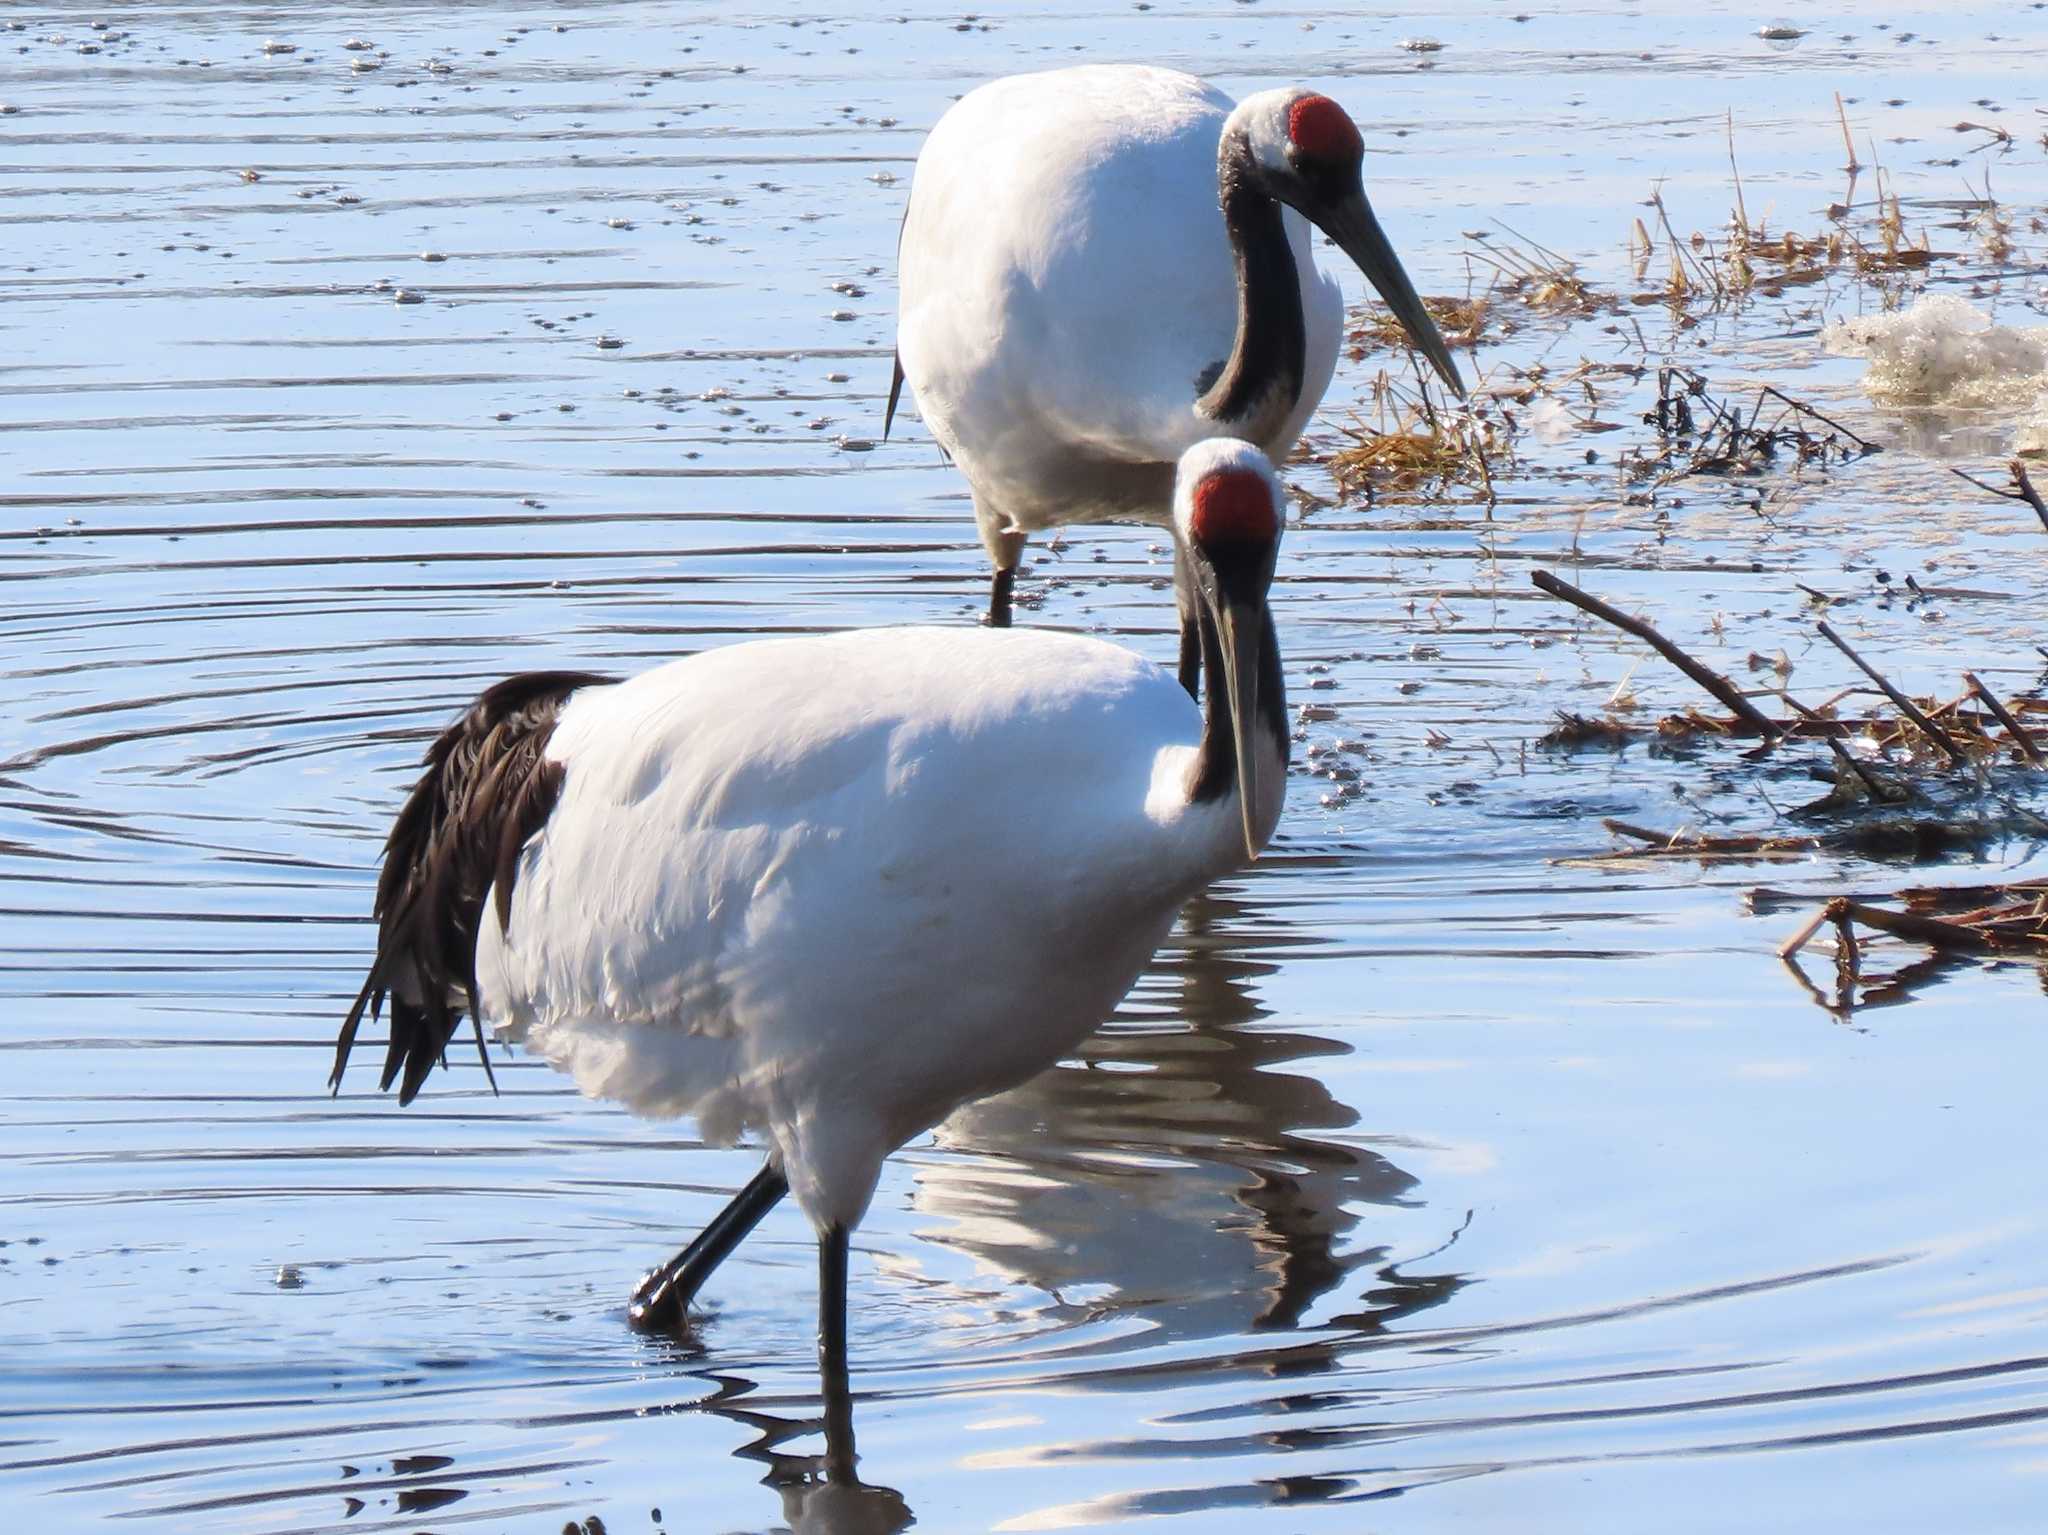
<point>487,788</point>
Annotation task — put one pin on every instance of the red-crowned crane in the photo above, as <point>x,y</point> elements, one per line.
<point>829,888</point>
<point>1101,266</point>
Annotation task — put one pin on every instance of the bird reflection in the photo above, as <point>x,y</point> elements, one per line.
<point>1177,1169</point>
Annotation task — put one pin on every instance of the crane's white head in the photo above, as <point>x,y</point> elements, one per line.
<point>1304,150</point>
<point>1300,134</point>
<point>1228,514</point>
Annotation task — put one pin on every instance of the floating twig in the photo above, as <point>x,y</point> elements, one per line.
<point>1680,844</point>
<point>1802,408</point>
<point>1999,136</point>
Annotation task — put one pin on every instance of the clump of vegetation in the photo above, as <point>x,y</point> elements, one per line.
<point>1895,250</point>
<point>1411,440</point>
<point>1877,248</point>
<point>1535,277</point>
<point>1702,433</point>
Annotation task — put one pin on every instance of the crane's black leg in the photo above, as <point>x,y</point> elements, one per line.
<point>1005,546</point>
<point>999,596</point>
<point>663,1296</point>
<point>839,1455</point>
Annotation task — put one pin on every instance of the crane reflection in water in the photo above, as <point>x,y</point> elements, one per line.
<point>1177,1172</point>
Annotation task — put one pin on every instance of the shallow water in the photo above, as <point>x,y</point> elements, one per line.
<point>1422,1170</point>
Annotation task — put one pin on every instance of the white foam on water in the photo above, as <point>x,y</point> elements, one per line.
<point>1945,352</point>
<point>2032,438</point>
<point>1550,419</point>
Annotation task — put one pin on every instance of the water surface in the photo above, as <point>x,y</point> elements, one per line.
<point>1423,1171</point>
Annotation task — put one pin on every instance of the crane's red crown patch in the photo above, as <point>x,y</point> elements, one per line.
<point>1321,129</point>
<point>1233,506</point>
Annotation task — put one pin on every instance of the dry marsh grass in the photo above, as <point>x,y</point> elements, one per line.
<point>1409,439</point>
<point>1461,321</point>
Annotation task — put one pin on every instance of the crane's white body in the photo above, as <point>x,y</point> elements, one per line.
<point>1069,292</point>
<point>829,888</point>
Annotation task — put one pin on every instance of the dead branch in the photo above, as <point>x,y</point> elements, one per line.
<point>1998,712</point>
<point>2020,478</point>
<point>1900,701</point>
<point>1705,676</point>
<point>2032,496</point>
<point>1942,933</point>
<point>1804,936</point>
<point>1802,408</point>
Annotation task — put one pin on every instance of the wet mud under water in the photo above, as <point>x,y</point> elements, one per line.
<point>1429,1179</point>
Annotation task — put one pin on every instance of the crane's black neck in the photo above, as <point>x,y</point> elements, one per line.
<point>1215,774</point>
<point>1260,383</point>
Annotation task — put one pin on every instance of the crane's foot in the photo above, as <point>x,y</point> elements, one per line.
<point>659,1306</point>
<point>661,1303</point>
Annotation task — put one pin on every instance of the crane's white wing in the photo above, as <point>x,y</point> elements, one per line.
<point>792,872</point>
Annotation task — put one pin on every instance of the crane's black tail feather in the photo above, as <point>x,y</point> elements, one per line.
<point>489,785</point>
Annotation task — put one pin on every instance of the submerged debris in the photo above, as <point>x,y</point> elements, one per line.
<point>1582,730</point>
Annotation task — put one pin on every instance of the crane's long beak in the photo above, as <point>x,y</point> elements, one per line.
<point>1350,223</point>
<point>1242,626</point>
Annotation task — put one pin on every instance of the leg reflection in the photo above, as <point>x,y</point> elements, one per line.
<point>821,1494</point>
